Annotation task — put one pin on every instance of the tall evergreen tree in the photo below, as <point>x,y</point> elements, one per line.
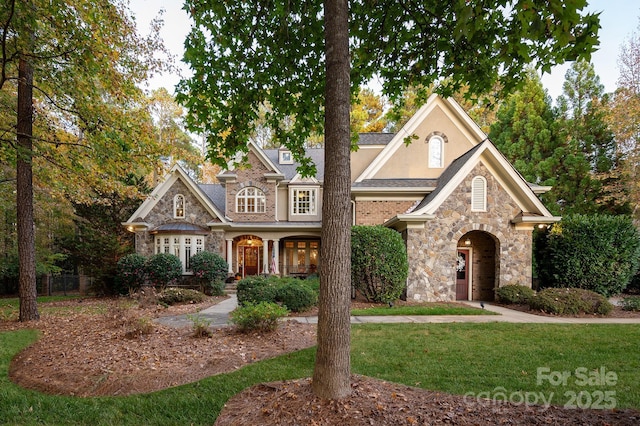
<point>590,152</point>
<point>525,132</point>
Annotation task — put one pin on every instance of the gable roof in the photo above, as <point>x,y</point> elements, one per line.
<point>449,106</point>
<point>512,181</point>
<point>176,173</point>
<point>274,170</point>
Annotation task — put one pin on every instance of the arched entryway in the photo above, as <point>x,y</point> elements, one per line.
<point>249,255</point>
<point>477,266</point>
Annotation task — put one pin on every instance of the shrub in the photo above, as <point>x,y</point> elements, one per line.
<point>255,289</point>
<point>163,269</point>
<point>514,294</point>
<point>295,295</point>
<point>211,270</point>
<point>173,296</point>
<point>570,301</point>
<point>130,273</point>
<point>631,303</point>
<point>598,253</point>
<point>258,317</point>
<point>200,326</point>
<point>379,266</point>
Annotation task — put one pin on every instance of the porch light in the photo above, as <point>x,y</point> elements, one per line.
<point>467,242</point>
<point>542,226</point>
<point>250,241</point>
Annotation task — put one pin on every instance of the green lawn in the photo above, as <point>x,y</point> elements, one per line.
<point>426,309</point>
<point>475,359</point>
<point>10,307</point>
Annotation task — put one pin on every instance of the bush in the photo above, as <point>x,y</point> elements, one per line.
<point>130,273</point>
<point>295,295</point>
<point>211,270</point>
<point>173,296</point>
<point>631,303</point>
<point>514,294</point>
<point>570,301</point>
<point>598,253</point>
<point>256,289</point>
<point>258,317</point>
<point>379,266</point>
<point>163,269</point>
<point>200,326</point>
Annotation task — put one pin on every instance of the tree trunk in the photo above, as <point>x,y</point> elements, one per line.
<point>331,377</point>
<point>24,195</point>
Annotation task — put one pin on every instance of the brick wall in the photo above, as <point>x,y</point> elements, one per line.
<point>248,177</point>
<point>377,212</point>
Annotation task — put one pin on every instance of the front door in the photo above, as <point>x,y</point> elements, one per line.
<point>462,275</point>
<point>251,260</point>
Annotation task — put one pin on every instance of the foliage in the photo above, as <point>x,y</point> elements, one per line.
<point>260,317</point>
<point>163,269</point>
<point>598,253</point>
<point>631,303</point>
<point>570,301</point>
<point>379,266</point>
<point>589,153</point>
<point>367,112</point>
<point>174,296</point>
<point>296,295</point>
<point>200,326</point>
<point>211,269</point>
<point>131,273</point>
<point>255,289</point>
<point>514,294</point>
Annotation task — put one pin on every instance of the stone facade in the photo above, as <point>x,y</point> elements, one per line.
<point>432,250</point>
<point>162,213</point>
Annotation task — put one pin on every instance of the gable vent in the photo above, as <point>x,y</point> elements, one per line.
<point>479,194</point>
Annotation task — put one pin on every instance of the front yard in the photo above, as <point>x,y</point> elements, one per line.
<point>462,363</point>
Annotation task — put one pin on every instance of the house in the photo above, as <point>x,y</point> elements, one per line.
<point>465,213</point>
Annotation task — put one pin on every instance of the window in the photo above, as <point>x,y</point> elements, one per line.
<point>304,201</point>
<point>183,246</point>
<point>479,194</point>
<point>436,152</point>
<point>285,157</point>
<point>178,206</point>
<point>250,200</point>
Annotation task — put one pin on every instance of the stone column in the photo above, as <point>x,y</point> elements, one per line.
<point>276,256</point>
<point>230,256</point>
<point>265,256</point>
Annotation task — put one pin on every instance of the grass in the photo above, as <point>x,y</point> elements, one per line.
<point>10,307</point>
<point>471,359</point>
<point>425,309</point>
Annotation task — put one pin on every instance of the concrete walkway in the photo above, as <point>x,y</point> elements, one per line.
<point>218,316</point>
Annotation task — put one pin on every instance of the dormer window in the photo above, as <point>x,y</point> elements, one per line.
<point>304,201</point>
<point>178,207</point>
<point>436,152</point>
<point>285,157</point>
<point>250,200</point>
<point>479,194</point>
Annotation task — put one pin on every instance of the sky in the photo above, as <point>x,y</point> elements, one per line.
<point>619,20</point>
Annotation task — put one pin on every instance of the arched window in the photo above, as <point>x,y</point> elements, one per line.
<point>436,152</point>
<point>178,206</point>
<point>479,194</point>
<point>250,200</point>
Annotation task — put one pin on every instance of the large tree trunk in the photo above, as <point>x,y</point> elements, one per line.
<point>24,198</point>
<point>331,377</point>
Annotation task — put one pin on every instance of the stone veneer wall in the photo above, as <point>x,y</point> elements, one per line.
<point>432,250</point>
<point>378,212</point>
<point>247,177</point>
<point>162,213</point>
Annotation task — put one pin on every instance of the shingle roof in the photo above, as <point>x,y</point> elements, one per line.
<point>216,194</point>
<point>375,138</point>
<point>289,170</point>
<point>396,183</point>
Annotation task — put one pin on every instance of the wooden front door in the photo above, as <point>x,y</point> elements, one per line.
<point>462,275</point>
<point>251,260</point>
